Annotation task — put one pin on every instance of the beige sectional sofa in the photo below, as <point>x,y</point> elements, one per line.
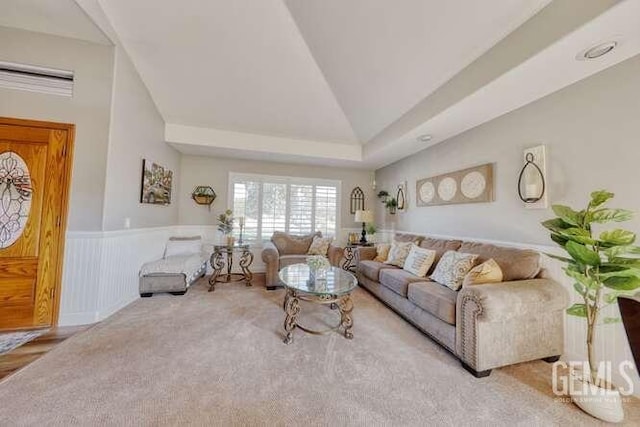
<point>486,326</point>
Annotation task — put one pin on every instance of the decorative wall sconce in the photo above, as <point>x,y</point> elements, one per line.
<point>401,196</point>
<point>203,195</point>
<point>532,185</point>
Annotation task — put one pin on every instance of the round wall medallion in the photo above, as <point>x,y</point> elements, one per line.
<point>15,197</point>
<point>473,185</point>
<point>427,191</point>
<point>447,189</point>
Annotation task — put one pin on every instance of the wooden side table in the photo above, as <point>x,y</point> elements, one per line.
<point>218,262</point>
<point>350,253</point>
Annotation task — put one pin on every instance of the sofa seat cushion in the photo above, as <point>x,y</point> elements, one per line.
<point>398,280</point>
<point>286,260</point>
<point>434,298</point>
<point>516,264</point>
<point>371,269</point>
<point>188,265</point>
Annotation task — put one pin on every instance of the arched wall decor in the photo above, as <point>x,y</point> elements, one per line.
<point>356,200</point>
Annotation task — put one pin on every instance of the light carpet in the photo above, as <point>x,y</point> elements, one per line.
<point>12,340</point>
<point>218,359</point>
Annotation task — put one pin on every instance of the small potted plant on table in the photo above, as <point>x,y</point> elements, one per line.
<point>225,226</point>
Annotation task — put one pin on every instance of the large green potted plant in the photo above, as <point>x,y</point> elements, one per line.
<point>603,264</point>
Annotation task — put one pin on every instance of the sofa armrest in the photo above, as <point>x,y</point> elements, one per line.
<point>364,253</point>
<point>335,254</point>
<point>271,259</point>
<point>524,319</point>
<point>506,300</point>
<point>270,252</point>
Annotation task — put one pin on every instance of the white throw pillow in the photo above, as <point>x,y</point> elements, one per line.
<point>419,260</point>
<point>398,253</point>
<point>183,246</point>
<point>452,268</point>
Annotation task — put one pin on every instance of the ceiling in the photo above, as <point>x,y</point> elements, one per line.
<point>58,17</point>
<point>340,82</point>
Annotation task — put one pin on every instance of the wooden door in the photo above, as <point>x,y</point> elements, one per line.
<point>35,171</point>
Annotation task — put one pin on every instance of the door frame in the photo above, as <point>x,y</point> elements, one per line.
<point>62,212</point>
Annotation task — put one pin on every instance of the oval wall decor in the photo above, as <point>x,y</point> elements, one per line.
<point>15,197</point>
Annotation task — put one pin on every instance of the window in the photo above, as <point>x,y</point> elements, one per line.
<point>293,205</point>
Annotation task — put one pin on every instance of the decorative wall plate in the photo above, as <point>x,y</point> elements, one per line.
<point>472,185</point>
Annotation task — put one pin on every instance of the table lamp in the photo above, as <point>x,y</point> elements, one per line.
<point>364,217</point>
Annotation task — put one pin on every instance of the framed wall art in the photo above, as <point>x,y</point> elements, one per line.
<point>156,184</point>
<point>471,185</point>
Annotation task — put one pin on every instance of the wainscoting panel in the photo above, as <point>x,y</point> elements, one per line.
<point>100,273</point>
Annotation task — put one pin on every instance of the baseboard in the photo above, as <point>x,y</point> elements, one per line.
<point>103,314</point>
<point>75,319</point>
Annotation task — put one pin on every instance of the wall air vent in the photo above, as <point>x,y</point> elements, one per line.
<point>36,79</point>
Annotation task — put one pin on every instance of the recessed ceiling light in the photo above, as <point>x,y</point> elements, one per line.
<point>424,138</point>
<point>597,51</point>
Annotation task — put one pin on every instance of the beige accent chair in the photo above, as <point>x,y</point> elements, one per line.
<point>486,325</point>
<point>287,249</point>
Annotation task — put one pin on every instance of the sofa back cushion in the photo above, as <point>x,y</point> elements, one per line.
<point>516,264</point>
<point>407,237</point>
<point>289,244</point>
<point>440,246</point>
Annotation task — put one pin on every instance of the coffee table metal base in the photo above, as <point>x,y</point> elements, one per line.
<point>292,309</point>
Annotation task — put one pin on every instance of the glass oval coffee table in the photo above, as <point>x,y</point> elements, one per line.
<point>332,287</point>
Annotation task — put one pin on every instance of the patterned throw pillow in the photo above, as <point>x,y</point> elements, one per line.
<point>452,268</point>
<point>320,245</point>
<point>419,260</point>
<point>487,272</point>
<point>382,252</point>
<point>398,253</point>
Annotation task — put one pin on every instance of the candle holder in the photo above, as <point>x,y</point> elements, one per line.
<point>532,179</point>
<point>241,224</point>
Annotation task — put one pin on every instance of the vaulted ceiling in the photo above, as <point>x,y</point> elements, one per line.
<point>352,82</point>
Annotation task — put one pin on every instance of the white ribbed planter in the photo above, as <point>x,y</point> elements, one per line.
<point>601,403</point>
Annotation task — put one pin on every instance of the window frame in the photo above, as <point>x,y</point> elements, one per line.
<point>233,177</point>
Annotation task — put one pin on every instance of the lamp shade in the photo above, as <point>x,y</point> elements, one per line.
<point>364,216</point>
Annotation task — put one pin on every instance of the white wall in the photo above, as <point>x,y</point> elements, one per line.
<point>136,132</point>
<point>591,130</point>
<point>215,173</point>
<point>89,109</point>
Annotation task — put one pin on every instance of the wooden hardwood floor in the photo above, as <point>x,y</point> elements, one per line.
<point>27,353</point>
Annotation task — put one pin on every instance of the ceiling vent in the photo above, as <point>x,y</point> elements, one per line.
<point>36,79</point>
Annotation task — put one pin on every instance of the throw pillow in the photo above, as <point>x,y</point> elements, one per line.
<point>487,272</point>
<point>452,268</point>
<point>398,253</point>
<point>419,260</point>
<point>320,245</point>
<point>183,246</point>
<point>382,252</point>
